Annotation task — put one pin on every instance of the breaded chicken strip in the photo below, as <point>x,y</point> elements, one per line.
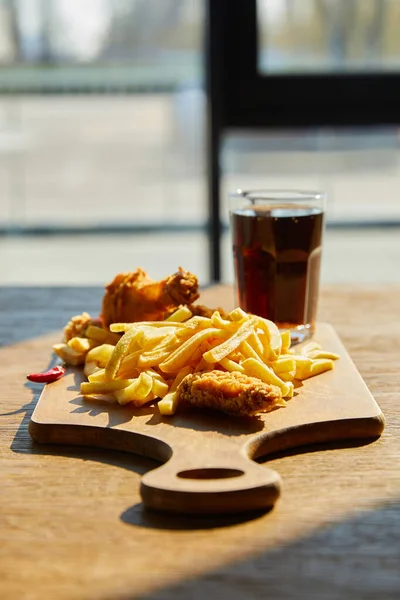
<point>233,393</point>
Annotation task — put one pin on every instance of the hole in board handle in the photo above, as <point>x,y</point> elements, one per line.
<point>210,473</point>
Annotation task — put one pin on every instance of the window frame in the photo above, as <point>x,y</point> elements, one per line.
<point>252,99</point>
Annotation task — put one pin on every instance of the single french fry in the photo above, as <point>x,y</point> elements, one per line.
<point>287,375</point>
<point>154,357</point>
<point>231,365</point>
<point>100,354</point>
<point>138,391</point>
<point>119,352</point>
<point>80,344</point>
<point>315,354</point>
<point>90,368</point>
<point>124,327</point>
<point>310,347</point>
<point>193,325</point>
<point>283,364</point>
<point>169,404</point>
<point>233,342</point>
<point>255,368</point>
<point>96,376</point>
<point>288,391</point>
<point>303,366</point>
<point>286,341</point>
<point>256,344</point>
<point>156,375</point>
<point>321,365</point>
<point>181,314</point>
<point>154,336</point>
<point>69,355</point>
<point>128,367</point>
<point>272,349</point>
<point>248,351</point>
<point>237,314</point>
<point>101,335</point>
<point>103,387</point>
<point>220,323</point>
<point>159,388</point>
<point>184,353</point>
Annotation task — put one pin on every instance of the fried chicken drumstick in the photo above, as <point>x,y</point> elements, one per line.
<point>136,297</point>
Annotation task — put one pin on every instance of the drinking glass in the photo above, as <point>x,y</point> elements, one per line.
<point>277,240</point>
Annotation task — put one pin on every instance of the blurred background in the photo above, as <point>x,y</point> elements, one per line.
<point>103,145</point>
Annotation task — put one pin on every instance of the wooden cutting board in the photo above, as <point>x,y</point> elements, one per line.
<point>207,457</point>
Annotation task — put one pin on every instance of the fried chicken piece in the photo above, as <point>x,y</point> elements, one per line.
<point>233,393</point>
<point>135,296</point>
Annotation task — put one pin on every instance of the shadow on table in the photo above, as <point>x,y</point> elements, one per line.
<point>356,558</point>
<point>23,443</point>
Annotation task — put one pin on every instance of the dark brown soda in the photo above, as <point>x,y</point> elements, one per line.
<point>277,251</point>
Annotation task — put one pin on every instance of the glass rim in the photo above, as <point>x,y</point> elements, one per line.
<point>278,194</point>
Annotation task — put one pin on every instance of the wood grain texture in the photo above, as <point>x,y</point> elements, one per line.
<point>72,524</point>
<point>211,450</point>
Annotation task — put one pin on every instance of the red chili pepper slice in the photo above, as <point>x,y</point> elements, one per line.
<point>48,376</point>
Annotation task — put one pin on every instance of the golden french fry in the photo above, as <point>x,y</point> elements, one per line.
<point>248,351</point>
<point>125,327</point>
<point>90,368</point>
<point>287,375</point>
<point>138,392</point>
<point>193,325</point>
<point>310,347</point>
<point>97,376</point>
<point>121,327</point>
<point>119,352</point>
<point>288,391</point>
<point>100,354</point>
<point>283,364</point>
<point>69,355</point>
<point>231,365</point>
<point>155,375</point>
<point>169,404</point>
<point>314,354</point>
<point>272,349</point>
<point>256,344</point>
<point>128,367</point>
<point>303,366</point>
<point>159,388</point>
<point>80,344</point>
<point>181,314</point>
<point>101,335</point>
<point>184,353</point>
<point>154,357</point>
<point>232,343</point>
<point>320,365</point>
<point>255,368</point>
<point>220,323</point>
<point>103,387</point>
<point>154,336</point>
<point>286,341</point>
<point>237,314</point>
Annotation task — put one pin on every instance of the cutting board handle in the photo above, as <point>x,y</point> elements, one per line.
<point>225,483</point>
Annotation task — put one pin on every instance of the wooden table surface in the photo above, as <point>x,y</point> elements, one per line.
<point>72,524</point>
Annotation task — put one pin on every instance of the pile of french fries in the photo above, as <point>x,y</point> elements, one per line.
<point>145,361</point>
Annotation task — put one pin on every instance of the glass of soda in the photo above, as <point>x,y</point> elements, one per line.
<point>277,242</point>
